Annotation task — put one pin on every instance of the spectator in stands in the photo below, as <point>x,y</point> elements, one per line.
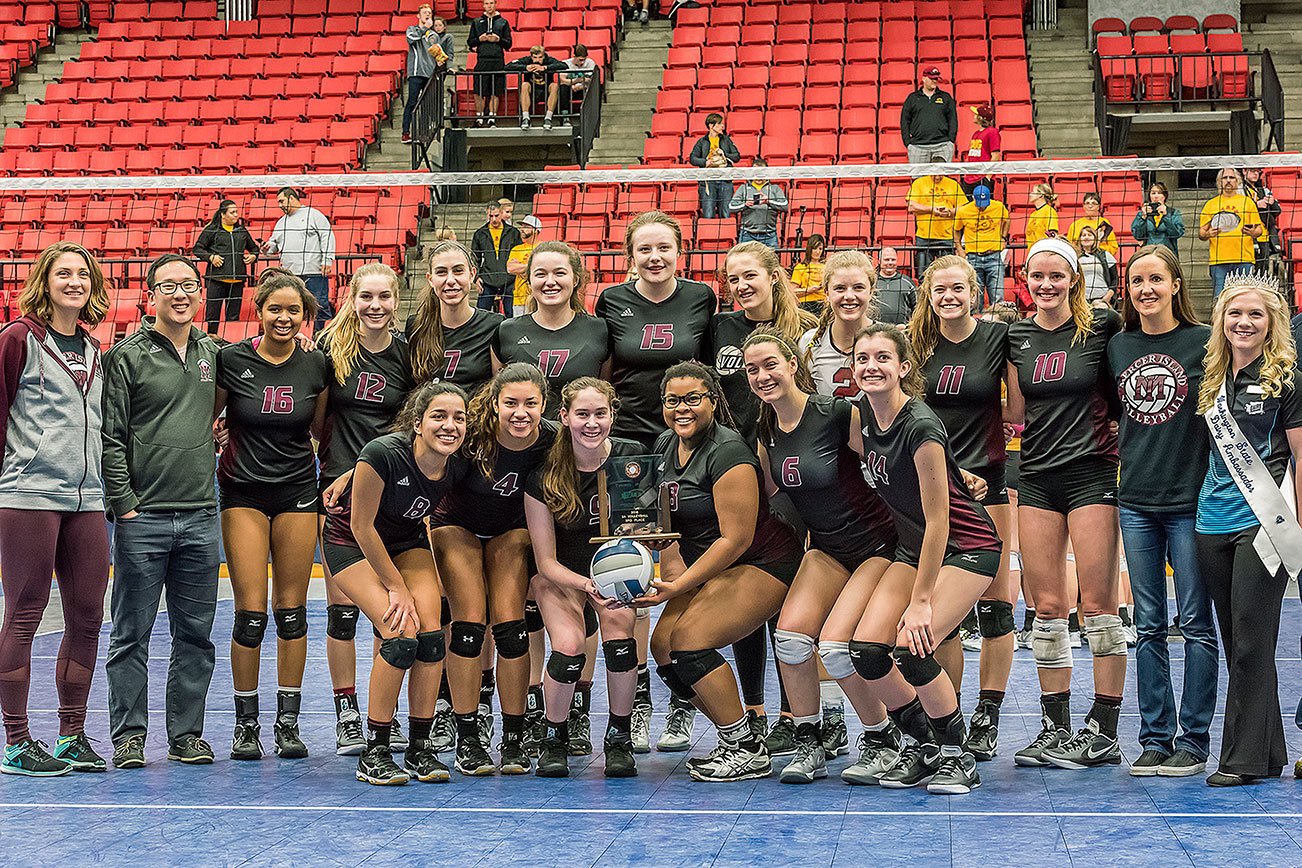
<point>1043,222</point>
<point>981,234</point>
<point>929,120</point>
<point>538,84</point>
<point>490,39</point>
<point>306,244</point>
<point>807,274</point>
<point>1098,268</point>
<point>1157,222</point>
<point>896,294</point>
<point>1231,224</point>
<point>933,201</point>
<point>1254,186</point>
<point>579,73</point>
<point>638,10</point>
<point>507,207</point>
<point>424,50</point>
<point>491,246</point>
<point>518,262</point>
<point>228,248</point>
<point>985,147</point>
<point>1094,219</point>
<point>760,204</point>
<point>714,150</point>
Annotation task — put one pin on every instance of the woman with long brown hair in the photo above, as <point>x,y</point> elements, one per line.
<point>451,340</point>
<point>849,286</point>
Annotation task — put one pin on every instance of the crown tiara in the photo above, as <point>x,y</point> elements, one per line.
<point>1254,279</point>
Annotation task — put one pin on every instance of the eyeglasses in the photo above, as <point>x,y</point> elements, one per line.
<point>691,399</point>
<point>170,288</point>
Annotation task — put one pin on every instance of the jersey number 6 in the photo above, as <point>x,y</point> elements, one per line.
<point>791,471</point>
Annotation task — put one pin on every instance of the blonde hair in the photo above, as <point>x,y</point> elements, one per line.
<point>789,319</point>
<point>343,336</point>
<point>425,331</point>
<point>1081,312</point>
<point>924,325</point>
<point>1278,355</point>
<point>482,417</point>
<point>1045,191</point>
<point>35,298</point>
<point>650,218</point>
<point>804,379</point>
<point>560,480</point>
<point>840,261</point>
<point>913,383</point>
<point>576,268</point>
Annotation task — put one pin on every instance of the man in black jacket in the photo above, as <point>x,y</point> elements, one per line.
<point>491,246</point>
<point>714,150</point>
<point>490,38</point>
<point>929,120</point>
<point>538,77</point>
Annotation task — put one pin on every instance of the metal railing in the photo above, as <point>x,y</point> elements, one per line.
<point>463,114</point>
<point>1181,82</point>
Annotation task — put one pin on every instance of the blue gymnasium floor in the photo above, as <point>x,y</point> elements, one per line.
<point>314,812</point>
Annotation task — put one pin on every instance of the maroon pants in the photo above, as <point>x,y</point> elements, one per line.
<point>35,544</point>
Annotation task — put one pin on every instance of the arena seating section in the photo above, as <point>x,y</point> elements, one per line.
<point>24,28</point>
<point>1154,60</point>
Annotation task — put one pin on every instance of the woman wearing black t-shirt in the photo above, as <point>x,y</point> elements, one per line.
<point>451,339</point>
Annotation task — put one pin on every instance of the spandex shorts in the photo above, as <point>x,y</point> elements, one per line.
<point>270,500</point>
<point>851,559</point>
<point>996,485</point>
<point>493,84</point>
<point>784,570</point>
<point>983,562</point>
<point>1012,467</point>
<point>340,557</point>
<point>1084,482</point>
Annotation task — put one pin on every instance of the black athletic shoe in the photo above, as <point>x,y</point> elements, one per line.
<point>619,759</point>
<point>443,735</point>
<point>580,733</point>
<point>781,739</point>
<point>131,753</point>
<point>759,724</point>
<point>76,751</point>
<point>190,749</point>
<point>289,745</point>
<point>30,758</point>
<point>983,732</point>
<point>535,727</point>
<point>513,759</point>
<point>349,738</point>
<point>422,762</point>
<point>473,760</point>
<point>244,743</point>
<point>1146,765</point>
<point>917,764</point>
<point>376,766</point>
<point>554,761</point>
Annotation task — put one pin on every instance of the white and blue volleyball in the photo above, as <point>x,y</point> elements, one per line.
<point>622,570</point>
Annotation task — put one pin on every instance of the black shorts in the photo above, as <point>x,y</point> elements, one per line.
<point>983,562</point>
<point>492,81</point>
<point>270,499</point>
<point>1013,468</point>
<point>1085,482</point>
<point>340,557</point>
<point>851,559</point>
<point>784,570</point>
<point>996,477</point>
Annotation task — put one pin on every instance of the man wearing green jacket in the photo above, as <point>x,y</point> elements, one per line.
<point>159,391</point>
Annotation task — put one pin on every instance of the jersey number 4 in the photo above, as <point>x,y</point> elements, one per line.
<point>553,362</point>
<point>1049,367</point>
<point>370,386</point>
<point>508,484</point>
<point>658,336</point>
<point>951,380</point>
<point>278,399</point>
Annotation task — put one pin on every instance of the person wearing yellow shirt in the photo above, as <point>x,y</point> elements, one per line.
<point>807,274</point>
<point>933,199</point>
<point>1043,222</point>
<point>981,235</point>
<point>1230,224</point>
<point>518,261</point>
<point>1095,220</point>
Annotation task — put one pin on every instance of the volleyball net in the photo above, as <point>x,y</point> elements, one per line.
<point>395,218</point>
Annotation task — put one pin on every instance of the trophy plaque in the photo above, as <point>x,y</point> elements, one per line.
<point>631,502</point>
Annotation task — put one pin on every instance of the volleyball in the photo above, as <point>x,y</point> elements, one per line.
<point>622,570</point>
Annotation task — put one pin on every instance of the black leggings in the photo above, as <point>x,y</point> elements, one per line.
<point>751,656</point>
<point>221,292</point>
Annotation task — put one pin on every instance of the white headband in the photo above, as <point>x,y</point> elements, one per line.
<point>1058,246</point>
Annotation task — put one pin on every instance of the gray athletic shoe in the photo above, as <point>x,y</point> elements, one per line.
<point>485,724</point>
<point>734,763</point>
<point>640,726</point>
<point>833,734</point>
<point>702,761</point>
<point>443,734</point>
<point>1087,748</point>
<point>1033,754</point>
<point>349,740</point>
<point>957,775</point>
<point>397,738</point>
<point>878,753</point>
<point>809,761</point>
<point>678,728</point>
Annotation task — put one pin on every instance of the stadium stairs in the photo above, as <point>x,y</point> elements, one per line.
<point>1062,75</point>
<point>30,83</point>
<point>1277,25</point>
<point>631,94</point>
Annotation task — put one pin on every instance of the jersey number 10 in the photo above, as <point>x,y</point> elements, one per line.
<point>1049,367</point>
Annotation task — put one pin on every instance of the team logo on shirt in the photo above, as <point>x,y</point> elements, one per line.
<point>1153,388</point>
<point>205,371</point>
<point>523,340</point>
<point>728,360</point>
<point>247,375</point>
<point>1255,408</point>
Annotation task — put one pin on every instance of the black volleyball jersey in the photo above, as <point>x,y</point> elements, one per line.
<point>646,339</point>
<point>489,507</point>
<point>577,350</point>
<point>269,410</point>
<point>573,549</point>
<point>728,331</point>
<point>965,388</point>
<point>814,464</point>
<point>363,406</point>
<point>890,469</point>
<point>467,351</point>
<point>408,497</point>
<point>1071,398</point>
<point>691,498</point>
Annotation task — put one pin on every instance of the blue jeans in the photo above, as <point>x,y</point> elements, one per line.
<point>319,286</point>
<point>415,84</point>
<point>1222,271</point>
<point>155,553</point>
<point>1151,539</point>
<point>769,238</point>
<point>715,196</point>
<point>989,268</point>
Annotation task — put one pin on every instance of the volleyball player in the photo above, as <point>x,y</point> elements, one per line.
<point>964,361</point>
<point>451,340</point>
<point>271,391</point>
<point>804,448</point>
<point>1059,386</point>
<point>52,500</point>
<point>377,551</point>
<point>482,549</point>
<point>740,559</point>
<point>849,282</point>
<point>947,555</point>
<point>1248,540</point>
<point>655,320</point>
<point>561,507</point>
<point>370,376</point>
<point>1157,361</point>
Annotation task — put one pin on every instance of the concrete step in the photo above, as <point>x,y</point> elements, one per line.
<point>1058,88</point>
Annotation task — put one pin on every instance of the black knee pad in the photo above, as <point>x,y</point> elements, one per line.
<point>430,646</point>
<point>291,623</point>
<point>566,669</point>
<point>675,684</point>
<point>466,639</point>
<point>994,618</point>
<point>872,660</point>
<point>916,670</point>
<point>590,622</point>
<point>621,655</point>
<point>399,651</point>
<point>692,666</point>
<point>250,627</point>
<point>512,639</point>
<point>533,621</point>
<point>341,622</point>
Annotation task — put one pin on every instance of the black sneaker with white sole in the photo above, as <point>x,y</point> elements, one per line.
<point>956,776</point>
<point>1181,764</point>
<point>289,744</point>
<point>245,743</point>
<point>422,762</point>
<point>833,733</point>
<point>781,739</point>
<point>191,750</point>
<point>31,759</point>
<point>554,760</point>
<point>130,753</point>
<point>1146,765</point>
<point>917,765</point>
<point>983,732</point>
<point>512,757</point>
<point>376,766</point>
<point>619,758</point>
<point>735,762</point>
<point>473,759</point>
<point>77,752</point>
<point>1088,748</point>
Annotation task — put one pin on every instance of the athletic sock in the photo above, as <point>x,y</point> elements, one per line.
<point>1057,707</point>
<point>420,727</point>
<point>808,718</point>
<point>512,727</point>
<point>246,705</point>
<point>378,733</point>
<point>830,696</point>
<point>913,722</point>
<point>950,730</point>
<point>880,726</point>
<point>1073,621</point>
<point>993,697</point>
<point>345,698</point>
<point>559,732</point>
<point>467,727</point>
<point>619,727</point>
<point>288,702</point>
<point>582,698</point>
<point>533,701</point>
<point>1028,619</point>
<point>740,734</point>
<point>487,683</point>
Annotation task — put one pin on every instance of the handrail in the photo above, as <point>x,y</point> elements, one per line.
<point>1134,66</point>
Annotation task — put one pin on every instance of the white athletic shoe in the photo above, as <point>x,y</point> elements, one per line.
<point>640,725</point>
<point>735,763</point>
<point>808,763</point>
<point>878,754</point>
<point>678,728</point>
